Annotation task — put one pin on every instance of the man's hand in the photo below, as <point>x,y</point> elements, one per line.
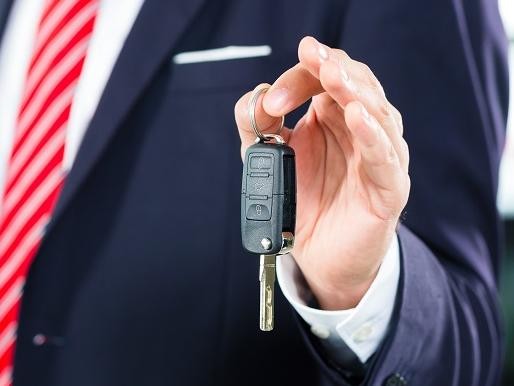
<point>352,168</point>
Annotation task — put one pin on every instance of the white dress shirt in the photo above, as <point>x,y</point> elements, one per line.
<point>361,328</point>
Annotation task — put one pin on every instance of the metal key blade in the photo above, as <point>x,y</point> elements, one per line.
<point>267,279</point>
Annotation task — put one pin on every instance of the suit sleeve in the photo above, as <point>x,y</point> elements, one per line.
<point>443,64</point>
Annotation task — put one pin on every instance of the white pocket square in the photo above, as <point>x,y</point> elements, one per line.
<point>224,53</point>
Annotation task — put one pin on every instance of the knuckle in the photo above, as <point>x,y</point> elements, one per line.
<point>368,74</point>
<point>395,111</point>
<point>383,107</point>
<point>371,80</point>
<point>364,68</point>
<point>404,147</point>
<point>404,154</point>
<point>397,117</point>
<point>341,55</point>
<point>375,85</point>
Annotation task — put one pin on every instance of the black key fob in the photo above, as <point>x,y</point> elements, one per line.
<point>268,198</point>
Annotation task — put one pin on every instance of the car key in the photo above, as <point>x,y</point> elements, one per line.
<point>268,207</point>
<point>268,211</point>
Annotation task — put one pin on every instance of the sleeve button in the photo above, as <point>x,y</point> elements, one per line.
<point>39,339</point>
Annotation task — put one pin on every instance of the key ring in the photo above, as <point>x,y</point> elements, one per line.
<point>252,105</point>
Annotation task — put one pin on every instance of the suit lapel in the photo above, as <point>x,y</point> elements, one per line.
<point>149,44</point>
<point>5,8</point>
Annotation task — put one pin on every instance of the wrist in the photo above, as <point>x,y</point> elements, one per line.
<point>345,292</point>
<point>344,288</point>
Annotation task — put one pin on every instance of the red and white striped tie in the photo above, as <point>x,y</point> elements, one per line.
<point>34,173</point>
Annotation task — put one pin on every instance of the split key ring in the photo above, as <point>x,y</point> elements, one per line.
<point>252,105</point>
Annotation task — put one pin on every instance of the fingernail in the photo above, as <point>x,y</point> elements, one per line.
<point>322,52</point>
<point>277,99</point>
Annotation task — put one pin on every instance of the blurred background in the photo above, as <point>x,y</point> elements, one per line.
<point>506,205</point>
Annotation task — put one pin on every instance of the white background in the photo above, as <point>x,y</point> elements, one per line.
<point>506,193</point>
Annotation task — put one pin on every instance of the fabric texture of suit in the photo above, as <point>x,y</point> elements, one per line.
<point>141,278</point>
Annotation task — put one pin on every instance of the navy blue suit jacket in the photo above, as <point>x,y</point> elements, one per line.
<point>141,278</point>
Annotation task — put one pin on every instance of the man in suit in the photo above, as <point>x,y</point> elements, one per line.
<point>120,252</point>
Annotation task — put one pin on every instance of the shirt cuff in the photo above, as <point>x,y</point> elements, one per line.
<point>361,328</point>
